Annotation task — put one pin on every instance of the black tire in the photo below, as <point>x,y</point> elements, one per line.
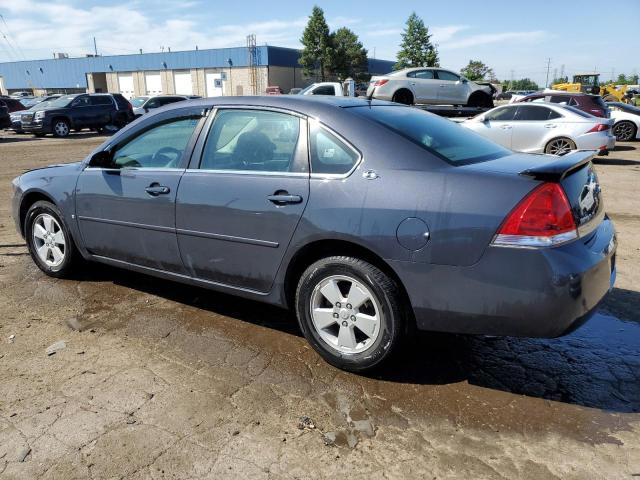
<point>403,96</point>
<point>625,131</point>
<point>480,100</point>
<point>392,322</point>
<point>71,255</point>
<point>60,128</point>
<point>39,135</point>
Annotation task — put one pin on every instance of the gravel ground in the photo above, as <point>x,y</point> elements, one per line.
<point>160,380</point>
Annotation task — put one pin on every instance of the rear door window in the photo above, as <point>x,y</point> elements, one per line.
<point>422,74</point>
<point>252,140</point>
<point>100,100</point>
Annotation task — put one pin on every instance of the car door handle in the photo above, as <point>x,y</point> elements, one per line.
<point>156,189</point>
<point>442,86</point>
<point>283,198</point>
<point>506,127</point>
<point>550,125</point>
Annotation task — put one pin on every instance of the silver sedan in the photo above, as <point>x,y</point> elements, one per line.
<point>544,128</point>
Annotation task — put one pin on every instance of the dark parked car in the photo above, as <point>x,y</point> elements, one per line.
<point>95,111</point>
<point>5,118</point>
<point>16,117</point>
<point>593,104</point>
<point>144,104</point>
<point>12,104</point>
<point>367,218</point>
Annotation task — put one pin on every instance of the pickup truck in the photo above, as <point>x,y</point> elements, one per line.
<point>333,89</point>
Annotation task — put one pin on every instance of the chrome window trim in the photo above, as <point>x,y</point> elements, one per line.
<point>248,172</point>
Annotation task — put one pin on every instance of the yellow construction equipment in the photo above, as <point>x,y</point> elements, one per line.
<point>590,83</point>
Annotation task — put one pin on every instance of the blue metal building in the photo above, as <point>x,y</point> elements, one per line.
<point>72,73</point>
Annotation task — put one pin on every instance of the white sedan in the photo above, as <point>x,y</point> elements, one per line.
<point>544,128</point>
<point>426,85</point>
<point>626,121</point>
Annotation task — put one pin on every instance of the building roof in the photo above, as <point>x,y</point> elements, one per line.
<point>71,72</point>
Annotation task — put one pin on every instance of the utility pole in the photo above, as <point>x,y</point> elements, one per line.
<point>95,47</point>
<point>548,67</point>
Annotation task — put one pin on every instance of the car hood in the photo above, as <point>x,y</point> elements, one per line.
<point>55,170</point>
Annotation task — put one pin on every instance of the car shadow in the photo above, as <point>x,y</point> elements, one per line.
<point>18,138</point>
<point>615,161</point>
<point>596,366</point>
<point>623,148</point>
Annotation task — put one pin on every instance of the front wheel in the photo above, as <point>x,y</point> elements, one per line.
<point>61,128</point>
<point>48,240</point>
<point>350,312</point>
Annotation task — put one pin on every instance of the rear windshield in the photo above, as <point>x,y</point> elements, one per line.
<point>446,139</point>
<point>582,113</point>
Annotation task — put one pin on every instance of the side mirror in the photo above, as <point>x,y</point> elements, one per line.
<point>146,109</point>
<point>102,159</point>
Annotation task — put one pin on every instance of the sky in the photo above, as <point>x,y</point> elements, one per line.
<point>514,38</point>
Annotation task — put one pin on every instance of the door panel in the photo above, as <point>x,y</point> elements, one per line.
<point>120,220</point>
<point>450,89</point>
<point>424,86</point>
<point>230,232</point>
<point>498,131</point>
<point>236,214</point>
<point>127,212</point>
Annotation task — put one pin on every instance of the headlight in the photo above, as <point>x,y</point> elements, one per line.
<point>39,115</point>
<point>14,117</point>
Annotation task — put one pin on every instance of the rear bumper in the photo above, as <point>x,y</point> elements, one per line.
<point>515,291</point>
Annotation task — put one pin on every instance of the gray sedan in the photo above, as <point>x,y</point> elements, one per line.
<point>369,219</point>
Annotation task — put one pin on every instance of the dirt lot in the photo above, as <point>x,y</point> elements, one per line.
<point>159,380</point>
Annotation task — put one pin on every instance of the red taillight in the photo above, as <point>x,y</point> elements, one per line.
<point>379,83</point>
<point>543,218</point>
<point>601,127</point>
<point>597,112</point>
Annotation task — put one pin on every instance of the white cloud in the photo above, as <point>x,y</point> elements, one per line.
<point>489,38</point>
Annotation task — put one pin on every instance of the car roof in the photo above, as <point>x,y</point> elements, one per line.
<point>307,104</point>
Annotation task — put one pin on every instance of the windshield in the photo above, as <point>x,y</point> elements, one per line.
<point>446,139</point>
<point>305,90</point>
<point>138,101</point>
<point>63,101</point>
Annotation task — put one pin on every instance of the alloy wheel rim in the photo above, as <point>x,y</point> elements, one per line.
<point>48,240</point>
<point>623,131</point>
<point>345,314</point>
<point>62,129</point>
<point>560,147</point>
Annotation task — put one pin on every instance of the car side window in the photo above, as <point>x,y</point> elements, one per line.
<point>501,115</point>
<point>161,146</point>
<point>534,113</point>
<point>153,103</point>
<point>252,140</point>
<point>329,154</point>
<point>80,102</point>
<point>324,90</point>
<point>422,74</point>
<point>100,100</point>
<point>444,75</point>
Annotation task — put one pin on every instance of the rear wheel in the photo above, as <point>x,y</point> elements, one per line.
<point>480,100</point>
<point>350,312</point>
<point>61,128</point>
<point>48,240</point>
<point>625,131</point>
<point>560,146</point>
<point>403,96</point>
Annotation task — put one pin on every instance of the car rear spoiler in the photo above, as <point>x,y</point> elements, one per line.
<point>556,170</point>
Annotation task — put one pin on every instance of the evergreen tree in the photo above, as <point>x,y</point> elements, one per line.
<point>416,49</point>
<point>316,45</point>
<point>476,70</point>
<point>349,56</point>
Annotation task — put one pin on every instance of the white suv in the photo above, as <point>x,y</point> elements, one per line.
<point>434,86</point>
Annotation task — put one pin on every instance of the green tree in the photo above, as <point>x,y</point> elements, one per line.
<point>349,56</point>
<point>476,70</point>
<point>416,49</point>
<point>522,84</point>
<point>316,45</point>
<point>564,79</point>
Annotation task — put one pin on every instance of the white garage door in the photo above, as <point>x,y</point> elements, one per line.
<point>125,84</point>
<point>214,84</point>
<point>153,83</point>
<point>182,82</point>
